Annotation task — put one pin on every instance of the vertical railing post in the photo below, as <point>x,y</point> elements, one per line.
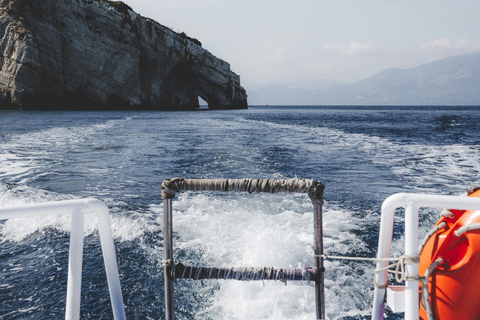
<point>110,261</point>
<point>411,268</point>
<point>168,261</point>
<point>75,259</point>
<point>319,281</point>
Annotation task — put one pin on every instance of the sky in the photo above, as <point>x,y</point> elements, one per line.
<point>279,41</point>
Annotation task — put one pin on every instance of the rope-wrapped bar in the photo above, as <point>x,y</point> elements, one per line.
<point>179,271</point>
<point>313,188</point>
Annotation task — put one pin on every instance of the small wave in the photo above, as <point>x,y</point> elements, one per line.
<point>24,154</point>
<point>428,168</point>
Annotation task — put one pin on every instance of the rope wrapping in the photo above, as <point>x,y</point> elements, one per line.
<point>179,271</point>
<point>171,186</point>
<point>314,189</point>
<point>425,294</point>
<point>441,227</point>
<point>466,228</point>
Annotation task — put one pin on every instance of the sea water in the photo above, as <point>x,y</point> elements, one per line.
<point>361,154</point>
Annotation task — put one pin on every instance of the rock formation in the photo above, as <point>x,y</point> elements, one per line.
<point>97,54</point>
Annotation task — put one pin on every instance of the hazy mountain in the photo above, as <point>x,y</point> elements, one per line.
<point>293,92</point>
<point>450,81</point>
<point>318,84</point>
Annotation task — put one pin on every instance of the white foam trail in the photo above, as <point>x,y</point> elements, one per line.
<point>267,231</point>
<point>25,153</point>
<point>126,226</point>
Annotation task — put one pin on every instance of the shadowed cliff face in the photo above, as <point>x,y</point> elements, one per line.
<point>88,54</point>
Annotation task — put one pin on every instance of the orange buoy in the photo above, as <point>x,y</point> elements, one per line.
<point>454,285</point>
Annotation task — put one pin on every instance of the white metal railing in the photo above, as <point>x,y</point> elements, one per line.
<point>411,203</point>
<point>77,209</point>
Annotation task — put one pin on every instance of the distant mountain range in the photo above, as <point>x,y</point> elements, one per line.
<point>450,81</point>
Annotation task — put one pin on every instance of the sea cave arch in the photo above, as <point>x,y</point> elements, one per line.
<point>202,103</point>
<point>184,85</point>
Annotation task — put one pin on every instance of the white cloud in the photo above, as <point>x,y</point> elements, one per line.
<point>354,48</point>
<point>277,56</point>
<point>445,43</point>
<point>437,43</point>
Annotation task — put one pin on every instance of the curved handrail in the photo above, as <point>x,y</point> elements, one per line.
<point>78,208</point>
<point>411,202</point>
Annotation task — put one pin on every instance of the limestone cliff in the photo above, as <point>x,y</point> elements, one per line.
<point>79,54</point>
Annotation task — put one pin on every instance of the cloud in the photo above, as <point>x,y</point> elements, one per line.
<point>445,43</point>
<point>277,56</point>
<point>437,43</point>
<point>354,48</point>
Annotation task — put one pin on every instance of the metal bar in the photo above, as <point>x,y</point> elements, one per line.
<point>383,251</point>
<point>75,257</point>
<point>319,281</point>
<point>243,274</point>
<point>168,262</point>
<point>313,188</point>
<point>249,185</point>
<point>110,260</point>
<point>411,249</point>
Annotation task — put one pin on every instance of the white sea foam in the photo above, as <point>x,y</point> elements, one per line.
<point>267,231</point>
<point>127,226</point>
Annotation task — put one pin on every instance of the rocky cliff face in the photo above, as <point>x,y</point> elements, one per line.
<point>79,54</point>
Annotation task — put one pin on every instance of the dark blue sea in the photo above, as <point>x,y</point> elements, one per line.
<point>361,154</point>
